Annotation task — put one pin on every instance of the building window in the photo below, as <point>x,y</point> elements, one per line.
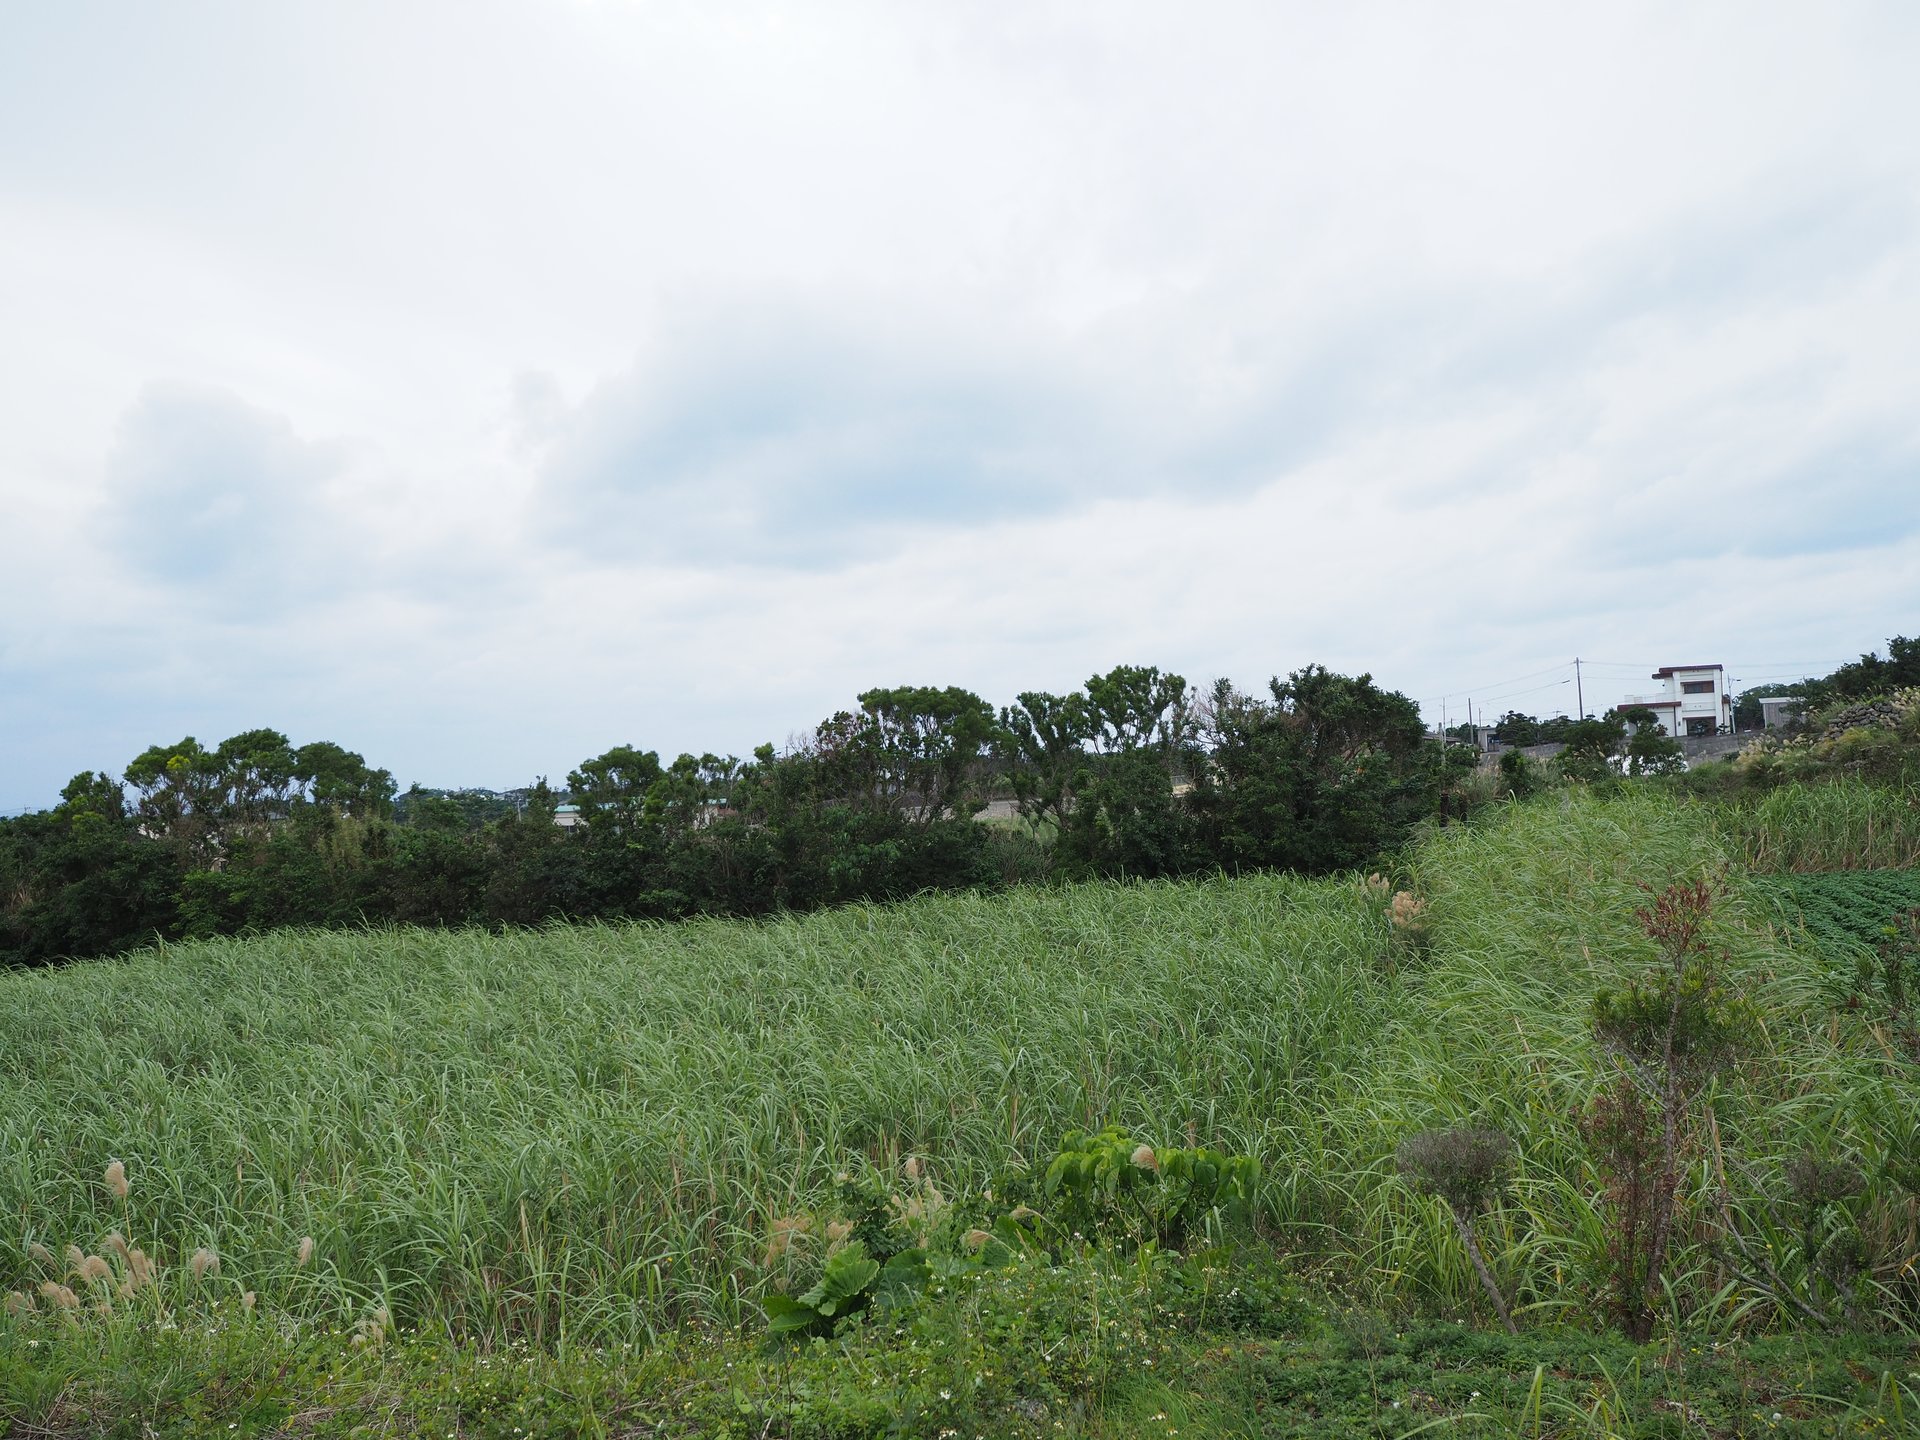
<point>1696,687</point>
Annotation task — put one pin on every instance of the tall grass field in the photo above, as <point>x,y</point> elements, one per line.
<point>589,1135</point>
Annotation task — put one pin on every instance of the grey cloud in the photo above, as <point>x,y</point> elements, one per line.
<point>783,438</point>
<point>799,438</point>
<point>803,436</point>
<point>207,492</point>
<point>1856,492</point>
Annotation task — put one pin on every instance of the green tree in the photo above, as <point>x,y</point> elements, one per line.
<point>1520,775</point>
<point>1649,749</point>
<point>341,780</point>
<point>1046,738</point>
<point>1135,707</point>
<point>612,789</point>
<point>1324,775</point>
<point>254,782</point>
<point>81,880</point>
<point>1513,728</point>
<point>1126,817</point>
<point>1870,676</point>
<point>692,790</point>
<point>1591,747</point>
<point>179,795</point>
<point>916,748</point>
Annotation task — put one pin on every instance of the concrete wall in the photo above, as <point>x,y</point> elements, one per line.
<point>1711,747</point>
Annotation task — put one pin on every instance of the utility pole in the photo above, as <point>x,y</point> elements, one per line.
<point>1579,691</point>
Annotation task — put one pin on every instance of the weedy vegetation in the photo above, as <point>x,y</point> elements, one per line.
<point>1248,1155</point>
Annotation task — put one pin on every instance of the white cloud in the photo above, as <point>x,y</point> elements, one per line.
<point>484,386</point>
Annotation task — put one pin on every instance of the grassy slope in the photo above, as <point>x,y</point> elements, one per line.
<point>593,1126</point>
<point>603,1120</point>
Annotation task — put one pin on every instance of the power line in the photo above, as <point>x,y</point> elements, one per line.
<point>1517,694</point>
<point>1464,690</point>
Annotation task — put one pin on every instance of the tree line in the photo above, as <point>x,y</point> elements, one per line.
<point>1136,774</point>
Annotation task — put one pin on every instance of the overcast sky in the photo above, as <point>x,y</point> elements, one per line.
<point>481,385</point>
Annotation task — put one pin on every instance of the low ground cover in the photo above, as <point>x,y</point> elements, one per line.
<point>1016,1358</point>
<point>1845,911</point>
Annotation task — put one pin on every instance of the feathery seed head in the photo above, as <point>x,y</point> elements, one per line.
<point>40,1255</point>
<point>372,1329</point>
<point>117,1179</point>
<point>76,1257</point>
<point>786,1232</point>
<point>246,1300</point>
<point>913,1167</point>
<point>95,1267</point>
<point>204,1263</point>
<point>1144,1157</point>
<point>59,1294</point>
<point>18,1302</point>
<point>305,1253</point>
<point>976,1238</point>
<point>117,1243</point>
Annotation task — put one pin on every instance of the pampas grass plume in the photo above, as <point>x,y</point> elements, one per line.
<point>787,1230</point>
<point>305,1252</point>
<point>204,1263</point>
<point>117,1179</point>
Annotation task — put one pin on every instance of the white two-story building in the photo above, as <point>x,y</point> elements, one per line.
<point>1695,700</point>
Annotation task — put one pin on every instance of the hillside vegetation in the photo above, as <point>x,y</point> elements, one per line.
<point>606,1135</point>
